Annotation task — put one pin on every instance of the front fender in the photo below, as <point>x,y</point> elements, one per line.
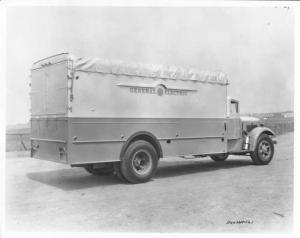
<point>255,134</point>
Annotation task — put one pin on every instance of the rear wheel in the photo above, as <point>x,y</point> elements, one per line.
<point>102,171</point>
<point>264,150</point>
<point>118,172</point>
<point>139,162</point>
<point>219,157</point>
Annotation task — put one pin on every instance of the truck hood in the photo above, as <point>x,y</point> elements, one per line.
<point>249,119</point>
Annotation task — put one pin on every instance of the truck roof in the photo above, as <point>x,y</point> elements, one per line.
<point>117,67</point>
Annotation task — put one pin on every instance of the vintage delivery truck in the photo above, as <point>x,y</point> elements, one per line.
<point>115,117</point>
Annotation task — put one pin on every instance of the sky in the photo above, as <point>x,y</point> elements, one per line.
<point>253,46</point>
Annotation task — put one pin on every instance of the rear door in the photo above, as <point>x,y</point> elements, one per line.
<point>49,109</point>
<point>49,90</point>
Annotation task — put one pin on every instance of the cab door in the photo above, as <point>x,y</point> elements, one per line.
<point>234,123</point>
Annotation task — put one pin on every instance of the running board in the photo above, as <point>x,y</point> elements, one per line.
<point>188,157</point>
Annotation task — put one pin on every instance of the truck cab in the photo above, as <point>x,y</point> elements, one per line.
<point>248,122</point>
<point>244,132</point>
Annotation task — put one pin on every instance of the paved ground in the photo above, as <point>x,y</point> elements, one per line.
<point>185,196</point>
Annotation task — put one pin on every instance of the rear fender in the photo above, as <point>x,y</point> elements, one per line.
<point>143,135</point>
<point>255,134</point>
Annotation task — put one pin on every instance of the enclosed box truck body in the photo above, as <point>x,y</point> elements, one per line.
<point>111,116</point>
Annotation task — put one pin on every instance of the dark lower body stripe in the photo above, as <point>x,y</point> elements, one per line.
<point>160,139</point>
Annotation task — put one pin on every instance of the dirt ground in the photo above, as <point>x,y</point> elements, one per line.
<point>185,196</point>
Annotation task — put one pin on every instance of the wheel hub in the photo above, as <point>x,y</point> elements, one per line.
<point>142,162</point>
<point>265,149</point>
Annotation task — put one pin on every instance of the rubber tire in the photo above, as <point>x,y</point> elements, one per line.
<point>255,156</point>
<point>118,172</point>
<point>104,171</point>
<point>219,157</point>
<point>126,163</point>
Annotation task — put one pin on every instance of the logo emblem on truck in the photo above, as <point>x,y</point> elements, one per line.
<point>160,90</point>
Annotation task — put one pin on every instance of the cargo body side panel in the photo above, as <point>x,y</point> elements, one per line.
<point>107,109</point>
<point>101,139</point>
<point>111,96</point>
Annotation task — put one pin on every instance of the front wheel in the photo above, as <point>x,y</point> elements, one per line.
<point>264,150</point>
<point>219,157</point>
<point>139,162</point>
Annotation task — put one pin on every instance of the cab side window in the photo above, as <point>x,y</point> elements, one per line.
<point>234,108</point>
